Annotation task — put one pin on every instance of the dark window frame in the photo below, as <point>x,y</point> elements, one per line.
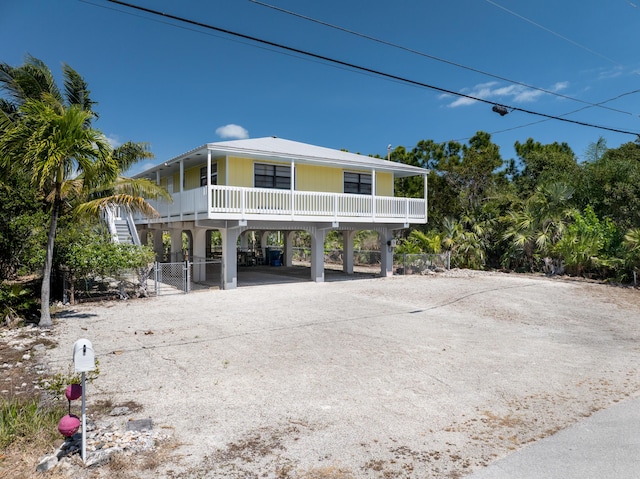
<point>214,175</point>
<point>357,183</point>
<point>267,175</point>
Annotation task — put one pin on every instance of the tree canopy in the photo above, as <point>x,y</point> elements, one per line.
<point>541,211</point>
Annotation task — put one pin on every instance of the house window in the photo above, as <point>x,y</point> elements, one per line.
<point>214,175</point>
<point>272,176</point>
<point>357,183</point>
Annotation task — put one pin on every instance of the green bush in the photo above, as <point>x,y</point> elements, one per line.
<point>17,303</point>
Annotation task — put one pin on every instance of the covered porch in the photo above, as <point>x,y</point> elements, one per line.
<point>267,204</point>
<point>235,244</point>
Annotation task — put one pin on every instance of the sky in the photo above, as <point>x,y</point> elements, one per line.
<point>177,86</point>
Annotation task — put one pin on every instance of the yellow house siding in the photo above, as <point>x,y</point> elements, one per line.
<point>318,178</point>
<point>384,184</point>
<point>240,172</point>
<point>192,177</point>
<point>222,171</point>
<point>237,171</point>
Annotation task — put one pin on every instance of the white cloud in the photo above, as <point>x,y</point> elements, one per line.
<point>491,91</point>
<point>114,141</point>
<point>614,72</point>
<point>462,101</point>
<point>232,131</point>
<point>482,90</point>
<point>561,85</point>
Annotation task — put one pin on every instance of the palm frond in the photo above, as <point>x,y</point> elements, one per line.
<point>135,187</point>
<point>135,204</point>
<point>632,240</point>
<point>76,89</point>
<point>33,79</point>
<point>130,153</point>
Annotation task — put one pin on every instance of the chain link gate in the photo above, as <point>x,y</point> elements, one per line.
<point>179,277</point>
<point>172,278</point>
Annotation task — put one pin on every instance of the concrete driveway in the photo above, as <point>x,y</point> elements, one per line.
<point>416,376</point>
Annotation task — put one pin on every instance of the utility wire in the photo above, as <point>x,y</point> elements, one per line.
<point>432,57</point>
<point>358,67</point>
<point>579,45</point>
<point>548,119</point>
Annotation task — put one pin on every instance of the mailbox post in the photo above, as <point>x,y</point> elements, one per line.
<point>83,361</point>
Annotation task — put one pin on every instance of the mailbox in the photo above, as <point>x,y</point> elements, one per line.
<point>84,359</point>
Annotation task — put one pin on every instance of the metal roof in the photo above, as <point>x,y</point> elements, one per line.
<point>279,149</point>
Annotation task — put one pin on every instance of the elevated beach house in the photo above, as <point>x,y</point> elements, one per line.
<point>276,185</point>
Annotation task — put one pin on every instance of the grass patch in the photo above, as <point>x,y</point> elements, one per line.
<point>29,421</point>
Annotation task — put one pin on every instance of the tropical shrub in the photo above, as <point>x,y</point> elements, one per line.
<point>632,246</point>
<point>586,242</point>
<point>93,256</point>
<point>17,304</point>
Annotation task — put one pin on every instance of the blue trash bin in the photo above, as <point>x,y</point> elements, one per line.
<point>274,257</point>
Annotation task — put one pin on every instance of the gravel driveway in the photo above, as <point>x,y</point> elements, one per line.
<point>412,377</point>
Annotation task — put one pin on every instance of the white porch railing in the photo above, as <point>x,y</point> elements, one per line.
<point>265,203</point>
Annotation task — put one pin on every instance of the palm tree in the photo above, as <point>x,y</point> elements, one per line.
<point>430,242</point>
<point>41,131</point>
<point>538,223</point>
<point>53,142</point>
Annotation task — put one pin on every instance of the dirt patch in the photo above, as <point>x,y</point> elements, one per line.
<point>21,360</point>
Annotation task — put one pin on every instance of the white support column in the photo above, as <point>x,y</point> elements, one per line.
<point>181,187</point>
<point>426,198</point>
<point>208,183</point>
<point>386,253</point>
<point>264,236</point>
<point>293,190</point>
<point>317,255</point>
<point>199,237</point>
<point>347,251</point>
<point>229,257</point>
<point>244,240</point>
<point>288,248</point>
<point>373,194</point>
<point>176,246</point>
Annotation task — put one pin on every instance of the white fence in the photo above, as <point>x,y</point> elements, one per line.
<point>246,202</point>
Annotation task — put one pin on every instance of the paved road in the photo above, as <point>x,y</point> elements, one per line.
<point>605,445</point>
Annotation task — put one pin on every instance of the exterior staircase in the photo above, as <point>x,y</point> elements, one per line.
<point>123,232</point>
<point>120,224</point>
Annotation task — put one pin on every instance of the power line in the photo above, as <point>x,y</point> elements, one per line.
<point>358,67</point>
<point>432,57</point>
<point>579,45</point>
<point>548,119</point>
